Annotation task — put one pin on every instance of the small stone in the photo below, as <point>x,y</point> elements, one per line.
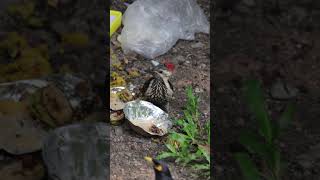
<point>180,59</point>
<point>198,90</point>
<point>197,45</point>
<point>281,90</point>
<point>202,66</point>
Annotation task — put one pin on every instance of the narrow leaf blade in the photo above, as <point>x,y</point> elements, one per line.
<point>249,170</point>
<point>254,96</point>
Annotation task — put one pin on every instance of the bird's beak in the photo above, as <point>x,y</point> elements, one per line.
<point>149,159</point>
<point>158,167</point>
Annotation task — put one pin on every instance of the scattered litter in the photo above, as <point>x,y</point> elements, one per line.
<point>116,103</point>
<point>116,117</point>
<point>117,80</point>
<point>131,88</point>
<point>115,90</point>
<point>155,63</point>
<point>115,21</point>
<point>152,27</point>
<point>118,97</point>
<point>169,66</point>
<point>146,118</point>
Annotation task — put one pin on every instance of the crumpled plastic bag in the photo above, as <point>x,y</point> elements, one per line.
<point>152,27</point>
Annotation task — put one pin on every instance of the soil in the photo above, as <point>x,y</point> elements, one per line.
<point>192,67</point>
<point>270,42</point>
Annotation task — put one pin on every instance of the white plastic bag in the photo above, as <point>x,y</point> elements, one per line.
<point>152,27</point>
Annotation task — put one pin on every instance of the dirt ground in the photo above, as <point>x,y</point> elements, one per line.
<point>270,42</point>
<point>192,67</point>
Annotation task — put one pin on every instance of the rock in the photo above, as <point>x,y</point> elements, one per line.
<point>78,151</point>
<point>280,90</point>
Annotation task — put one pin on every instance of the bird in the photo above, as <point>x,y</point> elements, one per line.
<point>158,89</point>
<point>161,170</point>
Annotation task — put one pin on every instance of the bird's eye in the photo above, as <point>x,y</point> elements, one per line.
<point>161,72</point>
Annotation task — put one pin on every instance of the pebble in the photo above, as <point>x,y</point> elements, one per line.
<point>198,90</point>
<point>279,91</point>
<point>202,66</point>
<point>197,45</point>
<point>180,59</point>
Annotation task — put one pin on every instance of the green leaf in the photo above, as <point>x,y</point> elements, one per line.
<point>276,161</point>
<point>179,122</point>
<point>249,170</point>
<point>254,144</point>
<point>254,96</point>
<point>181,138</point>
<point>166,155</point>
<point>171,148</point>
<point>205,153</point>
<point>201,166</point>
<point>188,117</point>
<point>286,117</point>
<point>275,130</point>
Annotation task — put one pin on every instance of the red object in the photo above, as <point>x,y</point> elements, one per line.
<point>169,66</point>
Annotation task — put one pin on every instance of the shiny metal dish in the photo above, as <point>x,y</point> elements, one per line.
<point>146,118</point>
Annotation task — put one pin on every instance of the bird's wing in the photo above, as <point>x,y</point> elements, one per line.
<point>171,86</point>
<point>146,85</point>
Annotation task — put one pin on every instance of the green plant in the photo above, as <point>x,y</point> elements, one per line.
<point>264,143</point>
<point>190,146</point>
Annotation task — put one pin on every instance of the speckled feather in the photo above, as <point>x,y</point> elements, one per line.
<point>156,91</point>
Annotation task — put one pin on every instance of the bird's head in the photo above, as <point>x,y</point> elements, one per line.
<point>163,73</point>
<point>161,169</point>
